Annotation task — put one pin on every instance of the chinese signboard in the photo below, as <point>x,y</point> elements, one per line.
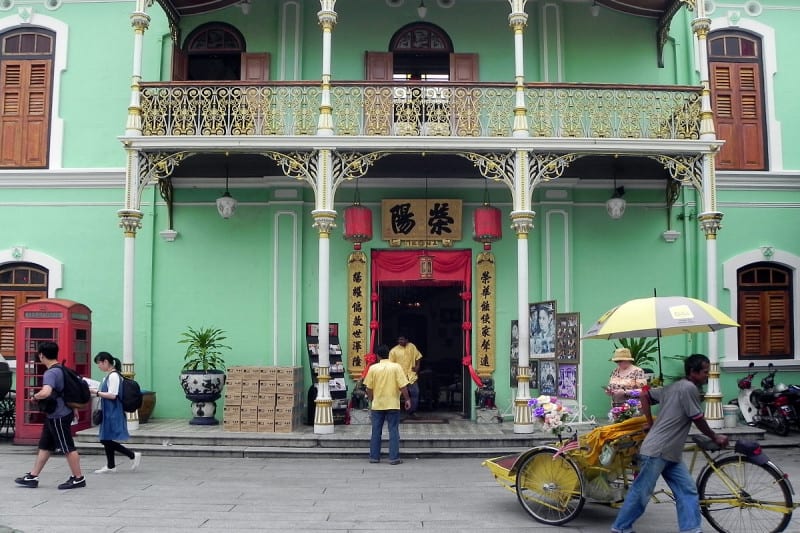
<point>421,222</point>
<point>357,302</point>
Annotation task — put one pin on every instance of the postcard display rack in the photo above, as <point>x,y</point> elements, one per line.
<point>337,383</point>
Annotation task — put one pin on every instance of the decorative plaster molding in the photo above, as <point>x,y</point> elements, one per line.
<point>55,268</point>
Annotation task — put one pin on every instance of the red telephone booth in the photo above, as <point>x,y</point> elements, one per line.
<point>69,325</point>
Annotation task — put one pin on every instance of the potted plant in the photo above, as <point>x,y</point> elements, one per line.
<point>641,350</point>
<point>203,374</point>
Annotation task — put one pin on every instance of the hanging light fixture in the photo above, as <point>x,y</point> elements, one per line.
<point>357,222</point>
<point>226,204</point>
<point>422,10</point>
<point>616,204</point>
<point>595,9</point>
<point>486,222</point>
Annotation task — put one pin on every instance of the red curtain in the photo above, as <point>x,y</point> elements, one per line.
<point>403,265</point>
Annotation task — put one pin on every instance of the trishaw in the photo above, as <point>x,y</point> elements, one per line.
<point>552,483</point>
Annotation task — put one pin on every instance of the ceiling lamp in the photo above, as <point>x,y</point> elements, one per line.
<point>245,6</point>
<point>595,9</point>
<point>616,204</point>
<point>486,223</point>
<point>422,10</point>
<point>357,223</point>
<point>226,204</point>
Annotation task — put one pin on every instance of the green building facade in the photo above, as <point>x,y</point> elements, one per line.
<point>123,122</point>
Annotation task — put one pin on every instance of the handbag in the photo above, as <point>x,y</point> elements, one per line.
<point>97,417</point>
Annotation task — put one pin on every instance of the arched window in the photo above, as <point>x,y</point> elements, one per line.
<point>765,311</point>
<point>26,84</point>
<point>217,52</point>
<point>737,92</point>
<point>20,283</point>
<point>421,51</point>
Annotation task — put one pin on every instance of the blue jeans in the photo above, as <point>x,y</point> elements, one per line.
<point>413,394</point>
<point>392,418</point>
<point>680,482</point>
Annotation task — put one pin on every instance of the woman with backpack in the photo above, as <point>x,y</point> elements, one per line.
<point>114,425</point>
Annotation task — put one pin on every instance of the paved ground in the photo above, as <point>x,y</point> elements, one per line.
<point>177,494</point>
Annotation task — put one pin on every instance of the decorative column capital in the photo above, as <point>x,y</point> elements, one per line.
<point>130,220</point>
<point>710,223</point>
<point>522,222</point>
<point>326,15</point>
<point>701,27</point>
<point>140,21</point>
<point>324,221</point>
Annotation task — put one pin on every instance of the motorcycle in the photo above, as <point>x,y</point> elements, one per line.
<point>771,405</point>
<point>746,407</point>
<point>792,395</point>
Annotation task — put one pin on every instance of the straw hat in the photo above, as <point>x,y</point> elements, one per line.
<point>622,354</point>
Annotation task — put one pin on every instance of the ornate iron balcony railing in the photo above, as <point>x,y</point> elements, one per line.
<point>463,110</point>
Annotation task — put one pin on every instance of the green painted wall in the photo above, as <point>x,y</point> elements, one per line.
<point>256,275</point>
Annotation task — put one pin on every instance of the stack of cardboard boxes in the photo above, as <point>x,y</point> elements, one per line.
<point>263,399</point>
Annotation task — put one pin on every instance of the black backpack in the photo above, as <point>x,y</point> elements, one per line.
<point>130,394</point>
<point>76,391</point>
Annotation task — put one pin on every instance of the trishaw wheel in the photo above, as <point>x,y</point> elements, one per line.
<point>550,487</point>
<point>743,497</point>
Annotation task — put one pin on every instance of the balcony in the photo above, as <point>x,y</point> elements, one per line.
<point>555,111</point>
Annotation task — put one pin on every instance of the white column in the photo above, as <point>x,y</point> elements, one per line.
<point>131,217</point>
<point>324,221</point>
<point>327,19</point>
<point>709,218</point>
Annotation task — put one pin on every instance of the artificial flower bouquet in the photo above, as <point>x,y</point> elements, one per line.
<point>550,413</point>
<point>627,410</point>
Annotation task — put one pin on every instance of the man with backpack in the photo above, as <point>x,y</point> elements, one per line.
<point>56,432</point>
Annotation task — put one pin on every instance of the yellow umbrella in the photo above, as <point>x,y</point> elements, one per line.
<point>659,316</point>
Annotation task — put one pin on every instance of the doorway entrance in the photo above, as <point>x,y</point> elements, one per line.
<point>429,315</point>
<point>428,307</point>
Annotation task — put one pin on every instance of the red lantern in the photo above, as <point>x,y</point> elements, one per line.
<point>357,225</point>
<point>486,223</point>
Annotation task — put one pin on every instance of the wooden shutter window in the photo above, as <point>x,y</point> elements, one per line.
<point>25,113</point>
<point>765,315</point>
<point>738,109</point>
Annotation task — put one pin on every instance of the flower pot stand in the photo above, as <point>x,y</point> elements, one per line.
<point>203,389</point>
<point>204,408</point>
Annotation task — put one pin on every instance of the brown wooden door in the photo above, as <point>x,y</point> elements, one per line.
<point>463,67</point>
<point>25,113</point>
<point>378,66</point>
<point>738,109</point>
<point>255,67</point>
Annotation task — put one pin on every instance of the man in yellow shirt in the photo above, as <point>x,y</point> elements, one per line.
<point>407,356</point>
<point>385,381</point>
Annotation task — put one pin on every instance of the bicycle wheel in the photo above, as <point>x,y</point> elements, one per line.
<point>550,488</point>
<point>742,496</point>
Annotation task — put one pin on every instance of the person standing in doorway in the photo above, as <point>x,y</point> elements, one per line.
<point>56,432</point>
<point>408,357</point>
<point>114,426</point>
<point>385,382</point>
<point>662,448</point>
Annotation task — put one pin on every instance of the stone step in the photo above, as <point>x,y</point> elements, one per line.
<point>416,441</point>
<point>274,452</point>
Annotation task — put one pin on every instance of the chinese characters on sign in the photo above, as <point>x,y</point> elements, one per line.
<point>421,222</point>
<point>484,329</point>
<point>357,301</point>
